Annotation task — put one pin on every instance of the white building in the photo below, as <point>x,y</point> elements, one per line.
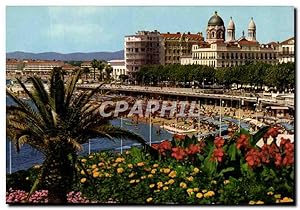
<point>119,68</point>
<point>220,52</point>
<point>286,51</point>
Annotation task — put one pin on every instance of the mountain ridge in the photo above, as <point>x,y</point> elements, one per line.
<point>76,56</point>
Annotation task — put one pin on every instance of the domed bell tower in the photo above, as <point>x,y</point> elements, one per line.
<point>251,31</point>
<point>215,29</point>
<point>231,31</point>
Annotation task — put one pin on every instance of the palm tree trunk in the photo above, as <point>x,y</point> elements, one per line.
<point>57,176</point>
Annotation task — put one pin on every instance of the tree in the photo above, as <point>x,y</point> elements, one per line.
<point>95,65</point>
<point>101,66</point>
<point>86,71</point>
<point>123,77</point>
<point>108,71</point>
<point>57,124</point>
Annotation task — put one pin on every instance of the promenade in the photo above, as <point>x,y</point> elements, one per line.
<point>200,93</point>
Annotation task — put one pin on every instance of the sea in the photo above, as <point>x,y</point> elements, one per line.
<point>28,156</point>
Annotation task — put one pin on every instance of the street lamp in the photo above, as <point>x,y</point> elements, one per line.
<point>221,102</point>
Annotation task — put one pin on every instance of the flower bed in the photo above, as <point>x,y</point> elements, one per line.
<point>185,171</point>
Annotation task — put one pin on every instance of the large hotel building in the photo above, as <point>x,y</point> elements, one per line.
<point>220,49</point>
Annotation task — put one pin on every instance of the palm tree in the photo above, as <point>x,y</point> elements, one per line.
<point>108,70</point>
<point>100,67</point>
<point>95,65</point>
<point>59,121</point>
<point>86,71</point>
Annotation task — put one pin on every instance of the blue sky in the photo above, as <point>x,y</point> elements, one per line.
<point>91,29</point>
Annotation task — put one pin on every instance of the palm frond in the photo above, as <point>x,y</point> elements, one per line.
<point>70,87</point>
<point>57,91</point>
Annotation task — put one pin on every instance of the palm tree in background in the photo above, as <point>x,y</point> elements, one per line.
<point>95,65</point>
<point>86,71</point>
<point>108,70</point>
<point>101,66</point>
<point>57,124</point>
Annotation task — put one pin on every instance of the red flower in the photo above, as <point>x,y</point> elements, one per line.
<point>278,159</point>
<point>166,145</point>
<point>193,149</point>
<point>242,142</point>
<point>219,142</point>
<point>253,158</point>
<point>283,141</point>
<point>218,154</point>
<point>178,153</point>
<point>179,136</point>
<point>288,160</point>
<point>272,132</point>
<point>162,147</point>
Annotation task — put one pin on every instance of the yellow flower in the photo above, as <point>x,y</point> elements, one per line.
<point>100,164</point>
<point>196,170</point>
<point>91,156</point>
<point>214,182</point>
<point>156,191</point>
<point>131,175</point>
<point>150,176</point>
<point>94,166</point>
<point>155,165</point>
<point>252,202</point>
<point>166,170</point>
<point>159,184</point>
<point>153,171</point>
<point>83,180</point>
<point>120,170</point>
<point>83,160</point>
<point>115,164</point>
<point>189,191</point>
<point>196,189</point>
<point>107,175</point>
<point>82,172</point>
<point>182,185</point>
<point>286,200</point>
<point>149,199</point>
<point>95,170</point>
<point>130,165</point>
<point>137,180</point>
<point>127,152</point>
<point>277,196</point>
<point>173,174</point>
<point>226,182</point>
<point>165,188</point>
<point>143,177</point>
<point>209,194</point>
<point>132,181</point>
<point>171,181</point>
<point>204,191</point>
<point>141,164</point>
<point>199,195</point>
<point>190,178</point>
<point>96,174</point>
<point>270,193</point>
<point>119,160</point>
<point>260,202</point>
<point>152,185</point>
<point>36,166</point>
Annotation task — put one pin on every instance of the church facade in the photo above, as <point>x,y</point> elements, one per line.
<point>224,51</point>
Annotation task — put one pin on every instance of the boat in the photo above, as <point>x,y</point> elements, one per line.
<point>173,130</point>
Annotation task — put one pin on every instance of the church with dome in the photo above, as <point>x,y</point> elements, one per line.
<point>222,49</point>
